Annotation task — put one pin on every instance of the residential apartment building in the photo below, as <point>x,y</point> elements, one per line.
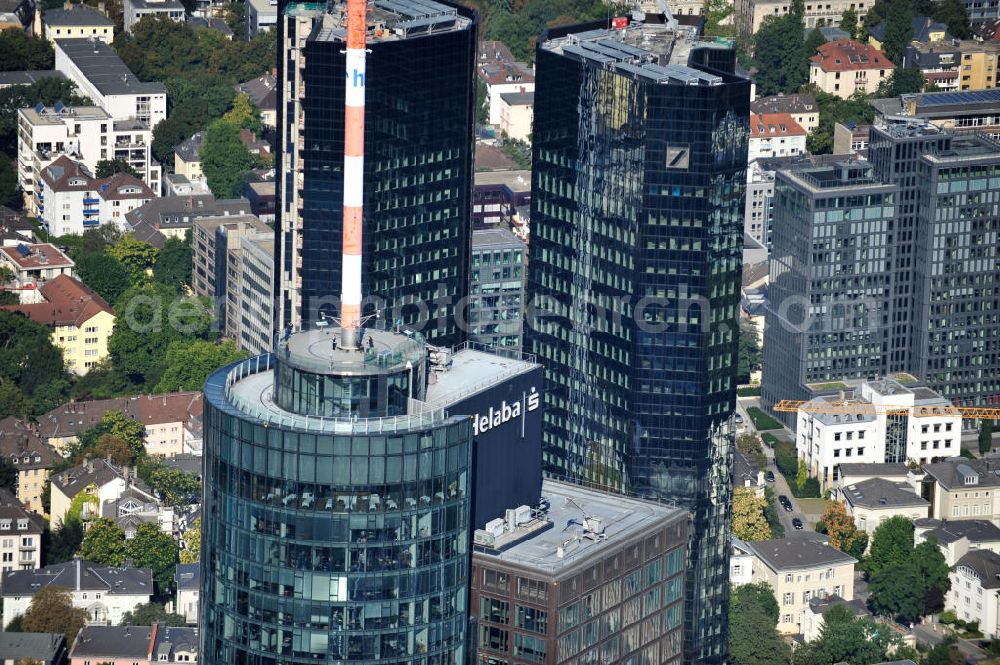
<point>44,648</point>
<point>800,106</point>
<point>606,589</point>
<point>873,501</point>
<point>215,273</point>
<point>516,114</point>
<point>775,135</point>
<point>20,535</point>
<point>135,10</point>
<point>172,421</point>
<point>33,266</point>
<point>70,200</point>
<point>85,134</point>
<point>824,440</point>
<point>497,296</point>
<point>136,645</point>
<point>173,216</point>
<point>254,331</point>
<point>187,157</point>
<point>957,64</point>
<point>77,21</point>
<point>263,92</point>
<point>812,617</point>
<point>759,213</point>
<point>955,538</point>
<point>974,594</point>
<point>962,489</point>
<point>844,67</point>
<point>101,75</point>
<point>80,320</point>
<point>262,16</point>
<point>640,402</point>
<point>105,593</point>
<point>418,169</point>
<point>979,110</point>
<point>33,459</point>
<point>749,14</point>
<point>188,582</point>
<point>101,482</point>
<point>502,74</point>
<point>799,570</point>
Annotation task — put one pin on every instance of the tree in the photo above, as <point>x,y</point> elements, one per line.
<point>843,533</point>
<point>801,476</point>
<point>149,613</point>
<point>750,445</point>
<point>812,42</point>
<point>175,486</point>
<point>717,23</point>
<point>13,401</point>
<point>849,22</point>
<point>932,570</point>
<point>8,475</point>
<point>897,592</point>
<point>892,543</point>
<point>188,363</point>
<point>772,515</point>
<point>192,543</point>
<point>103,273</point>
<point>134,254</point>
<point>749,522</point>
<point>985,436</point>
<point>63,543</point>
<point>953,14</point>
<point>52,611</point>
<point>902,81</point>
<point>832,110</point>
<point>898,29</point>
<point>131,432</point>
<point>945,652</point>
<point>224,159</point>
<point>115,449</point>
<point>482,103</point>
<point>109,167</point>
<point>845,638</point>
<point>753,636</point>
<point>778,50</point>
<point>104,543</point>
<point>750,352</point>
<point>173,263</point>
<point>27,356</point>
<point>22,51</point>
<point>10,191</point>
<point>244,114</point>
<point>153,549</point>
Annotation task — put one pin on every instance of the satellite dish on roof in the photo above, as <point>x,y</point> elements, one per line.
<point>59,107</point>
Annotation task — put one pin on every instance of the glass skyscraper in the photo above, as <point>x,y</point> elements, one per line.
<point>336,508</point>
<point>419,123</point>
<point>639,172</point>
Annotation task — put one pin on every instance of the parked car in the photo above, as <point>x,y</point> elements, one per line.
<point>783,500</point>
<point>770,476</point>
<point>797,523</point>
<point>739,419</point>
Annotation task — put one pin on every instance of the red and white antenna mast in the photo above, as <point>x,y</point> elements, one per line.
<point>354,175</point>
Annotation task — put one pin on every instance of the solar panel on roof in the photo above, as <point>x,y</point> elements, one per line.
<point>59,107</point>
<point>573,49</point>
<point>23,250</point>
<point>971,96</point>
<point>627,48</point>
<point>39,107</point>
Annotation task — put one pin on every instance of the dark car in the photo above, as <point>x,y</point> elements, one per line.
<point>770,476</point>
<point>783,500</point>
<point>797,523</point>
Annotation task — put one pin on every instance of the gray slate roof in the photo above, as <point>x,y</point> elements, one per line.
<point>37,646</point>
<point>821,605</point>
<point>99,63</point>
<point>951,473</point>
<point>518,98</point>
<point>262,90</point>
<point>134,642</point>
<point>985,564</point>
<point>77,15</point>
<point>97,472</point>
<point>28,77</point>
<point>188,577</point>
<point>787,554</point>
<point>882,493</point>
<point>79,575</point>
<point>189,149</point>
<point>977,531</point>
<point>881,470</point>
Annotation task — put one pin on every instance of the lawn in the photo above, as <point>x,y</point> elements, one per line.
<point>769,439</point>
<point>762,421</point>
<point>748,391</point>
<point>833,385</point>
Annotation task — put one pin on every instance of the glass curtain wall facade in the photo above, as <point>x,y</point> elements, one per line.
<point>635,257</point>
<point>419,122</point>
<point>330,539</point>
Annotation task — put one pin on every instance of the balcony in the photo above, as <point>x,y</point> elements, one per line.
<point>91,223</point>
<point>90,201</point>
<point>91,211</point>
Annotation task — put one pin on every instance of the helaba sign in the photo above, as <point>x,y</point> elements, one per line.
<point>504,413</point>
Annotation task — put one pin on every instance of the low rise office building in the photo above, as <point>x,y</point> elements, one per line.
<point>252,326</point>
<point>593,578</point>
<point>497,294</point>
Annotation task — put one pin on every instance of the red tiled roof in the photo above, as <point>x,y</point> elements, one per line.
<point>43,255</point>
<point>495,73</point>
<point>848,55</point>
<point>774,124</point>
<point>68,302</point>
<point>110,188</point>
<point>61,171</point>
<point>74,417</point>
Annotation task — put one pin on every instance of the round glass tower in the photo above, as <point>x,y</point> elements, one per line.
<point>335,522</point>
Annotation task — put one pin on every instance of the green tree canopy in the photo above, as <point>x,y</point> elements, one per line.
<point>225,160</point>
<point>63,542</point>
<point>832,110</point>
<point>892,543</point>
<point>779,47</point>
<point>105,274</point>
<point>104,543</point>
<point>849,22</point>
<point>22,51</point>
<point>759,594</point>
<point>13,401</point>
<point>188,363</point>
<point>173,263</point>
<point>192,543</point>
<point>151,548</point>
<point>750,351</point>
<point>846,639</point>
<point>109,167</point>
<point>175,486</point>
<point>244,114</point>
<point>10,191</point>
<point>149,613</point>
<point>902,80</point>
<point>28,358</point>
<point>898,29</point>
<point>753,636</point>
<point>985,436</point>
<point>52,611</point>
<point>133,253</point>
<point>953,14</point>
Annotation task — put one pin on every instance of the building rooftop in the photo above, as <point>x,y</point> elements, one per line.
<point>556,543</point>
<point>144,6</point>
<point>882,494</point>
<point>959,472</point>
<point>33,647</point>
<point>189,149</point>
<point>231,222</point>
<point>874,469</point>
<point>41,115</point>
<point>211,23</point>
<point>976,531</point>
<point>100,65</point>
<point>650,51</point>
<point>400,19</point>
<point>498,238</point>
<point>15,519</point>
<point>78,15</point>
<point>146,232</point>
<point>518,98</point>
<point>516,181</point>
<point>68,302</point>
<point>79,575</point>
<point>787,554</point>
<point>23,448</point>
<point>848,55</point>
<point>797,103</point>
<point>262,90</point>
<point>179,212</point>
<point>922,27</point>
<point>74,417</point>
<point>472,371</point>
<point>966,148</point>
<point>821,605</point>
<point>32,257</point>
<point>774,125</point>
<point>96,472</point>
<point>28,77</point>
<point>985,564</point>
<point>121,643</point>
<point>188,577</point>
<point>66,175</point>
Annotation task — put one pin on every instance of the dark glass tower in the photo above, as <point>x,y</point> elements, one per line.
<point>336,508</point>
<point>640,149</point>
<point>419,122</point>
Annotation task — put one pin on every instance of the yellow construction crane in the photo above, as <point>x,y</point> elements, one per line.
<point>864,408</point>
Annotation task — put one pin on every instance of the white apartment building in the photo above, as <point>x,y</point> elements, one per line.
<point>101,75</point>
<point>758,215</point>
<point>956,538</point>
<point>136,9</point>
<point>826,440</point>
<point>775,135</point>
<point>975,590</point>
<point>20,535</point>
<point>33,266</point>
<point>256,286</point>
<point>262,15</point>
<point>86,134</point>
<point>70,201</point>
<point>844,67</point>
